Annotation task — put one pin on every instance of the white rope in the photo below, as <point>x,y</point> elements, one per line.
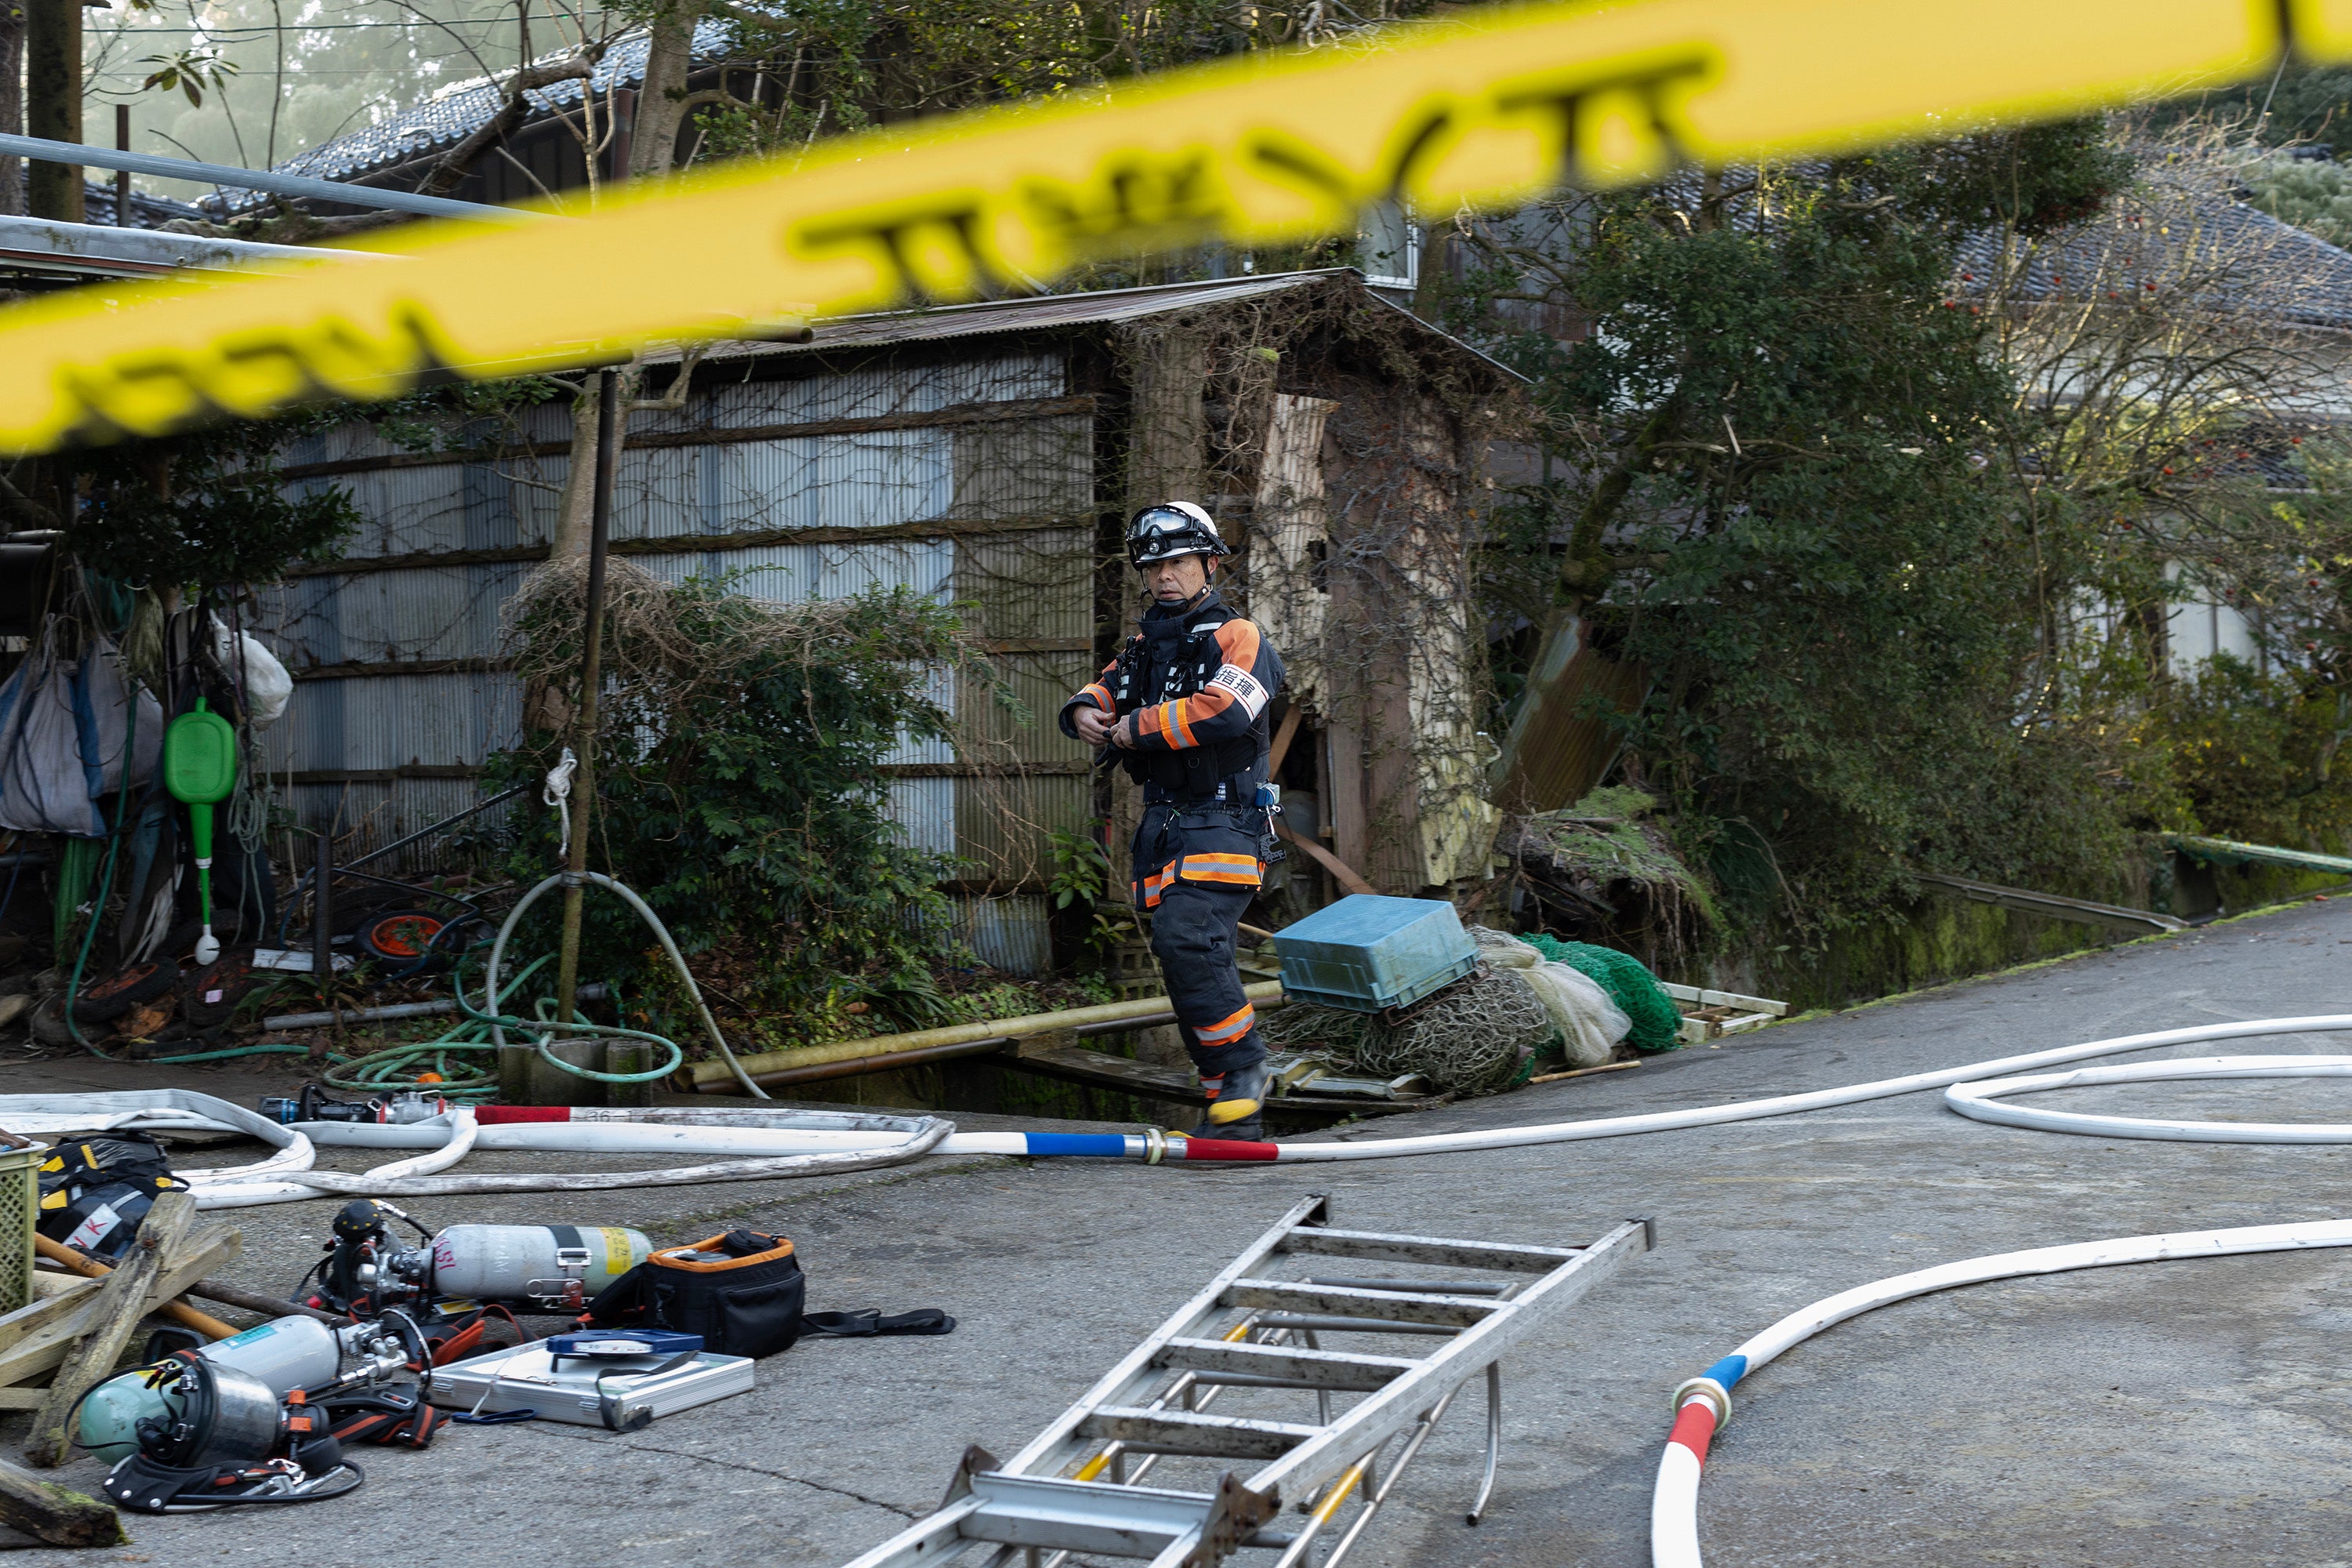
<point>557,793</point>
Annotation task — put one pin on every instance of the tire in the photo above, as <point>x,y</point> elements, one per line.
<point>213,993</point>
<point>106,1000</point>
<point>50,1022</point>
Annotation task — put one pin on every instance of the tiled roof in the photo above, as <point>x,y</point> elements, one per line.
<point>455,111</point>
<point>146,211</point>
<point>2251,260</point>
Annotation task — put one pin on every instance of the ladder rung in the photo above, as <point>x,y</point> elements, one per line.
<point>1182,1432</point>
<point>1082,1516</point>
<point>1445,1253</point>
<point>1423,1286</point>
<point>1317,1323</point>
<point>1287,1364</point>
<point>1395,1306</point>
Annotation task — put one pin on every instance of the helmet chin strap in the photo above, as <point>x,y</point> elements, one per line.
<point>1208,581</point>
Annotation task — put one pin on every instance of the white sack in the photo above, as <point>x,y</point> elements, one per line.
<point>267,687</point>
<point>61,735</point>
<point>1590,1024</point>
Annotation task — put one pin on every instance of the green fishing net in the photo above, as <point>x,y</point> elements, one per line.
<point>1657,1022</point>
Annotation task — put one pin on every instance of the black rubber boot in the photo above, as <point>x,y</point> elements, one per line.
<point>1236,1105</point>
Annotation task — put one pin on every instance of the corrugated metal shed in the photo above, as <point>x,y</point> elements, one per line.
<point>995,510</point>
<point>378,738</point>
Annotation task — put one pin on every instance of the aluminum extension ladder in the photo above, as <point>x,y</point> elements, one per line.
<point>1259,1325</point>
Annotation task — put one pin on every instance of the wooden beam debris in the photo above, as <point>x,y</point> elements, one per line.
<point>52,1514</point>
<point>47,1347</point>
<point>180,1312</point>
<point>122,1300</point>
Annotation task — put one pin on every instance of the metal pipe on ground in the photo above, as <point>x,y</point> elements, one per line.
<point>592,991</point>
<point>882,1053</point>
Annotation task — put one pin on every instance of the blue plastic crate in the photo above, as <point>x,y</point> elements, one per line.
<point>1366,953</point>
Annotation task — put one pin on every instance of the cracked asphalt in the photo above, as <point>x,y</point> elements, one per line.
<point>2179,1414</point>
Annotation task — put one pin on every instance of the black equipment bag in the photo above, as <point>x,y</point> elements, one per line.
<point>96,1190</point>
<point>743,1293</point>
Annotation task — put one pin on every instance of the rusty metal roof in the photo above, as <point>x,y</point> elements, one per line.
<point>1051,312</point>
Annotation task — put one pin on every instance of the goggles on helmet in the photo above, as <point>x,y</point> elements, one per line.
<point>1176,528</point>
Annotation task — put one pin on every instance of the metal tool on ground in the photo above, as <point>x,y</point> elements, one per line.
<point>200,770</point>
<point>1260,1326</point>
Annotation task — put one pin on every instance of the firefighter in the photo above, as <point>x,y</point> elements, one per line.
<point>1184,707</point>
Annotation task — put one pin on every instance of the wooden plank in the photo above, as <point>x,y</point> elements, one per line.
<point>55,1515</point>
<point>22,1398</point>
<point>1582,1072</point>
<point>122,1301</point>
<point>179,1312</point>
<point>1325,858</point>
<point>1700,998</point>
<point>53,1306</point>
<point>43,1351</point>
<point>1076,1064</point>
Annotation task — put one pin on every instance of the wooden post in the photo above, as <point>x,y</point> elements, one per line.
<point>322,913</point>
<point>53,1514</point>
<point>123,1301</point>
<point>53,104</point>
<point>122,176</point>
<point>592,652</point>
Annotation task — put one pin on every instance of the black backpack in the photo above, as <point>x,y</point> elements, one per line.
<point>743,1293</point>
<point>95,1192</point>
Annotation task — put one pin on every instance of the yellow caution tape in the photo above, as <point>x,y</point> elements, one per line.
<point>1483,111</point>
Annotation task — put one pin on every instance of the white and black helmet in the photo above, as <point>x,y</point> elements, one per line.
<point>1170,529</point>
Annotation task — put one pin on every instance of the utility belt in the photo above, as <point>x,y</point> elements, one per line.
<point>1227,840</point>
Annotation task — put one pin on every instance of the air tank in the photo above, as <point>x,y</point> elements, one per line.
<point>284,1352</point>
<point>533,1262</point>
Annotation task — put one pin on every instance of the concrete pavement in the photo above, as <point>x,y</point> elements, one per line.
<point>2188,1413</point>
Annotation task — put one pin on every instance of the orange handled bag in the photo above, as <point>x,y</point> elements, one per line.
<point>743,1293</point>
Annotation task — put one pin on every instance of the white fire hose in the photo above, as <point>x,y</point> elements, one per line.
<point>1703,1405</point>
<point>792,1143</point>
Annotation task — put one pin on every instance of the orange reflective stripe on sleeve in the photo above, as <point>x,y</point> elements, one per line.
<point>1227,1030</point>
<point>1099,693</point>
<point>1172,725</point>
<point>1241,871</point>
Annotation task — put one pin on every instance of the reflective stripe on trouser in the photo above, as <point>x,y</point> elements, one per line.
<point>1196,869</point>
<point>1192,933</point>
